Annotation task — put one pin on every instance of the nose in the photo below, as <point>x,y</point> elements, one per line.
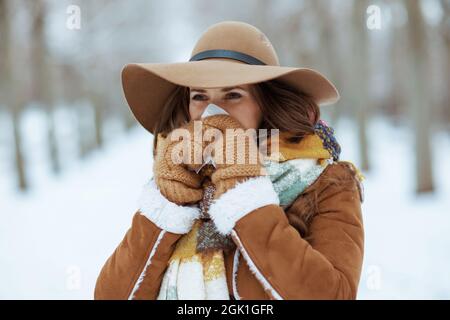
<point>216,100</point>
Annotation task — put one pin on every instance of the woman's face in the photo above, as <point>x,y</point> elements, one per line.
<point>237,101</point>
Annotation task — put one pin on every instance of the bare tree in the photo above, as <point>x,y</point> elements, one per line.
<point>397,65</point>
<point>42,76</point>
<point>418,96</point>
<point>10,92</point>
<point>445,27</point>
<point>329,55</point>
<point>360,77</point>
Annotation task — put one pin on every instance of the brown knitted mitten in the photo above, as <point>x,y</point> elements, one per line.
<point>175,181</point>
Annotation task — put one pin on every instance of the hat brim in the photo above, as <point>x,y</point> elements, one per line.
<point>148,85</point>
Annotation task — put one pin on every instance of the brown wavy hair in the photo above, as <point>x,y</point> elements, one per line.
<point>282,106</point>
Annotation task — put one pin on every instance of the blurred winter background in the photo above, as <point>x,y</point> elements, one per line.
<point>73,159</point>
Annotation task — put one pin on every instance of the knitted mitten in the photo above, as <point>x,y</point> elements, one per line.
<point>175,181</point>
<point>240,161</point>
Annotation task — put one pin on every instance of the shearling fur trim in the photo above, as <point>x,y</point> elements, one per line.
<point>235,271</point>
<point>239,201</point>
<point>165,214</point>
<point>147,264</point>
<point>254,269</point>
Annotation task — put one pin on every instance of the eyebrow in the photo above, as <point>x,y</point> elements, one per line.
<point>223,89</point>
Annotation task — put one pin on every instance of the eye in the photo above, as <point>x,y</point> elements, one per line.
<point>199,97</point>
<point>233,95</point>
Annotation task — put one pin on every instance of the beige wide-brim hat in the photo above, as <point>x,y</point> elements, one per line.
<point>229,53</point>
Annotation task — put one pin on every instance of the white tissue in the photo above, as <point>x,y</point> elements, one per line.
<point>212,110</point>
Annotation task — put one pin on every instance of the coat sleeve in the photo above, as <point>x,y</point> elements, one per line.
<point>136,267</point>
<point>288,266</point>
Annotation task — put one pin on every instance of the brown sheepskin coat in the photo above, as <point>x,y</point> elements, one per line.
<point>311,250</point>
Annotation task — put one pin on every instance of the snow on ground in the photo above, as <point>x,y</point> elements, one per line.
<point>55,239</point>
<point>407,237</point>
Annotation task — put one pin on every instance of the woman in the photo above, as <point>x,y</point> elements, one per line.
<point>287,227</point>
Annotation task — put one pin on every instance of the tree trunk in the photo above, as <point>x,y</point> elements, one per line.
<point>18,153</point>
<point>42,78</point>
<point>329,54</point>
<point>98,105</point>
<point>419,102</point>
<point>360,78</point>
<point>446,35</point>
<point>9,93</point>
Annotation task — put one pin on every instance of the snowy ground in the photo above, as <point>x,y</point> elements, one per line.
<point>54,240</point>
<point>407,237</point>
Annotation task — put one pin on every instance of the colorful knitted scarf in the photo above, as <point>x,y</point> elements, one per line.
<point>196,269</point>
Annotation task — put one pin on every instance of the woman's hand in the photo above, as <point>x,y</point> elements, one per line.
<point>237,163</point>
<point>175,181</point>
